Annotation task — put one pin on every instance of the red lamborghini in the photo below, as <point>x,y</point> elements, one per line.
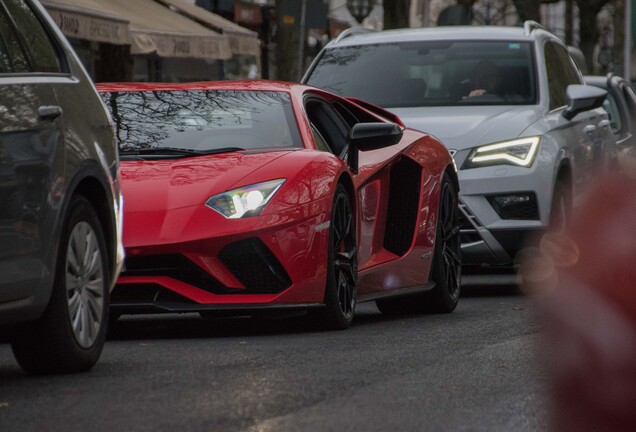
<point>257,195</point>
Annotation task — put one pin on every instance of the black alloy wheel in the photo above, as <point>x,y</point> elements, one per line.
<point>447,264</point>
<point>342,271</point>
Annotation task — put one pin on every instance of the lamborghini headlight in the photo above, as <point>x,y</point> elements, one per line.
<point>245,201</point>
<point>521,152</point>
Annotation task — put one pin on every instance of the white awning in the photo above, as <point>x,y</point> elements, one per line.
<point>151,28</point>
<point>242,40</point>
<point>86,19</point>
<point>157,30</point>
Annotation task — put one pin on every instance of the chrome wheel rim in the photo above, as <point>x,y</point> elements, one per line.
<point>451,249</point>
<point>84,284</point>
<point>345,258</point>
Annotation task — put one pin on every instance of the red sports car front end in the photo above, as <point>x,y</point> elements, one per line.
<point>182,255</point>
<point>257,196</point>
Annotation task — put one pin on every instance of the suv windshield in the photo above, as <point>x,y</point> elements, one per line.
<point>201,121</point>
<point>431,73</point>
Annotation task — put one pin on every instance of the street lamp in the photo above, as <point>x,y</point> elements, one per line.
<point>359,9</point>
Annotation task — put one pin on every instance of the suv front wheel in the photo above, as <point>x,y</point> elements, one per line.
<point>70,335</point>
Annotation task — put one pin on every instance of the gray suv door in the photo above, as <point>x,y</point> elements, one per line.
<point>586,134</point>
<point>31,150</point>
<point>60,198</point>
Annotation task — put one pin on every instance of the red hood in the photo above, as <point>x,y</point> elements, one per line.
<point>171,184</point>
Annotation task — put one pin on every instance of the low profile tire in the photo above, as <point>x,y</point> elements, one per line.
<point>447,261</point>
<point>560,210</point>
<point>446,265</point>
<point>342,266</point>
<point>70,335</point>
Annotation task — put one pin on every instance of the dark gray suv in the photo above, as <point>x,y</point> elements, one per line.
<point>60,201</point>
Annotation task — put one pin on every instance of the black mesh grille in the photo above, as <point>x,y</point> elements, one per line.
<point>404,198</point>
<point>526,210</point>
<point>177,267</point>
<point>255,266</point>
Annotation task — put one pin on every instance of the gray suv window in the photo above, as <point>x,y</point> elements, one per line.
<point>13,58</point>
<point>429,73</point>
<point>561,73</point>
<point>30,49</point>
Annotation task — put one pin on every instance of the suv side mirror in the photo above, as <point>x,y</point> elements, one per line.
<point>583,98</point>
<point>370,136</point>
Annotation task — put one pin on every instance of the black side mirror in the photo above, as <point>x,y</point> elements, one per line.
<point>583,98</point>
<point>371,136</point>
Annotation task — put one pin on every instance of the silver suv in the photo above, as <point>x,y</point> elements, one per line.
<point>60,201</point>
<point>510,105</point>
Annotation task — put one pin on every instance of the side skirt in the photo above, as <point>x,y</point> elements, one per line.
<point>163,307</point>
<point>397,292</point>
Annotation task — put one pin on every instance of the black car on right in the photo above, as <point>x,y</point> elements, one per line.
<point>620,105</point>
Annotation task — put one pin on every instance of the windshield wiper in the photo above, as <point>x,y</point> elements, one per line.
<point>176,150</point>
<point>171,151</point>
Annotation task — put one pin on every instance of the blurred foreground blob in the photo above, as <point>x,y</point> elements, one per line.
<point>584,280</point>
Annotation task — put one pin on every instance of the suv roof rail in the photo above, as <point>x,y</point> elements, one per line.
<point>530,25</point>
<point>352,31</point>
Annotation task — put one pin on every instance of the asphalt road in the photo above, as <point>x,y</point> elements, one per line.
<point>474,370</point>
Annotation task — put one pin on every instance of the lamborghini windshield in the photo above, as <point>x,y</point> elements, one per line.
<point>194,122</point>
<point>430,73</point>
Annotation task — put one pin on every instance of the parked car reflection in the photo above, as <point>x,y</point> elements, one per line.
<point>620,105</point>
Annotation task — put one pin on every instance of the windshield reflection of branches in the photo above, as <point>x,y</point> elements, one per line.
<point>326,76</point>
<point>185,118</point>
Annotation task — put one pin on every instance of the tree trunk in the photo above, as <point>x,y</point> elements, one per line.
<point>569,14</point>
<point>286,49</point>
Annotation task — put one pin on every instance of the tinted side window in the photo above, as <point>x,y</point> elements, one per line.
<point>561,73</point>
<point>329,124</point>
<point>352,114</point>
<point>13,58</point>
<point>42,54</point>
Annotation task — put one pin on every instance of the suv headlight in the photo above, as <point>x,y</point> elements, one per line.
<point>246,201</point>
<point>521,152</point>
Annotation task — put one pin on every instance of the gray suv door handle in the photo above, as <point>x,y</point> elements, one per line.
<point>589,129</point>
<point>604,123</point>
<point>49,112</point>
